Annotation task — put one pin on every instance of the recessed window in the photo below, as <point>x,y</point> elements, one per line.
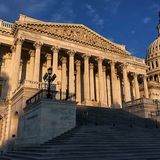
<point>0,90</point>
<point>152,65</point>
<point>156,63</point>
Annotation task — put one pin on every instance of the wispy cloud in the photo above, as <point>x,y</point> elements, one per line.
<point>146,20</point>
<point>96,18</point>
<point>65,13</point>
<point>3,8</point>
<point>112,6</point>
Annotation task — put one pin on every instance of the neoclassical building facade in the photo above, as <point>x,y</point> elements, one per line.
<point>96,71</point>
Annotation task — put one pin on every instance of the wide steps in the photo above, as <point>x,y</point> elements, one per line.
<point>105,134</point>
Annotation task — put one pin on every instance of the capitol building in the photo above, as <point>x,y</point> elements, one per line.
<point>90,70</point>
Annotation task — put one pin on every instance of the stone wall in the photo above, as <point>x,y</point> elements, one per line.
<point>46,120</point>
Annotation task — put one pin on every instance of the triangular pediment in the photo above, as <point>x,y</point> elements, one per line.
<point>76,33</point>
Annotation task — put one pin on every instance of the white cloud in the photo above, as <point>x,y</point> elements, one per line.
<point>112,6</point>
<point>146,20</point>
<point>3,8</point>
<point>65,13</point>
<point>96,18</point>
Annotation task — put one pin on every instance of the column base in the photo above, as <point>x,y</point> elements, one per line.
<point>87,103</point>
<point>102,104</point>
<point>115,105</point>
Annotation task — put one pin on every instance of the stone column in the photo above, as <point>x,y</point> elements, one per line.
<point>64,78</point>
<point>114,84</point>
<point>101,87</point>
<point>3,130</point>
<point>145,87</point>
<point>108,90</point>
<point>105,85</point>
<point>136,85</point>
<point>92,90</point>
<point>127,94</point>
<point>78,81</point>
<point>49,58</point>
<point>8,121</point>
<point>55,50</point>
<point>97,87</point>
<point>86,79</point>
<point>20,71</point>
<point>31,66</point>
<point>38,46</point>
<point>71,73</point>
<point>158,78</point>
<point>27,70</point>
<point>16,63</point>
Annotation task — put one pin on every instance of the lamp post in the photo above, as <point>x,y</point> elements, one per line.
<point>47,77</point>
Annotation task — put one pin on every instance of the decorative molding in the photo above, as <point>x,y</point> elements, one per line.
<point>38,45</point>
<point>55,49</point>
<point>76,33</point>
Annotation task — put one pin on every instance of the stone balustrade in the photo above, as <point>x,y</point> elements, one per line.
<point>5,24</point>
<point>135,59</point>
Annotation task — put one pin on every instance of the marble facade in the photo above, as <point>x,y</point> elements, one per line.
<point>94,69</point>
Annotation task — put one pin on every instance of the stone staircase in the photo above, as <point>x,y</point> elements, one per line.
<point>101,134</point>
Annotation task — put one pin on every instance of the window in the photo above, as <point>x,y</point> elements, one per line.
<point>0,90</point>
<point>156,63</point>
<point>152,65</point>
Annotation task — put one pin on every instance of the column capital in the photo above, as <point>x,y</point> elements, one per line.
<point>38,45</point>
<point>19,41</point>
<point>71,52</point>
<point>99,59</point>
<point>124,65</point>
<point>64,60</point>
<point>112,62</point>
<point>13,48</point>
<point>55,48</point>
<point>85,56</point>
<point>32,53</point>
<point>91,66</point>
<point>8,55</point>
<point>78,63</point>
<point>48,56</point>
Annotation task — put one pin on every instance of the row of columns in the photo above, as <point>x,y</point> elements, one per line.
<point>89,88</point>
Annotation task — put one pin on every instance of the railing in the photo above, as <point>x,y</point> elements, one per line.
<point>136,59</point>
<point>140,101</point>
<point>54,95</point>
<point>33,84</point>
<point>5,24</point>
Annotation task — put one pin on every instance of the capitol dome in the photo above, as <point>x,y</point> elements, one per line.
<point>153,58</point>
<point>154,48</point>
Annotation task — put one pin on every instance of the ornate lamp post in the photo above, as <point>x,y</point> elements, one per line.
<point>47,77</point>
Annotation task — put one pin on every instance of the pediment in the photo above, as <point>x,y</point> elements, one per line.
<point>76,33</point>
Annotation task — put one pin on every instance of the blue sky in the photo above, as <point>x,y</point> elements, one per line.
<point>129,22</point>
